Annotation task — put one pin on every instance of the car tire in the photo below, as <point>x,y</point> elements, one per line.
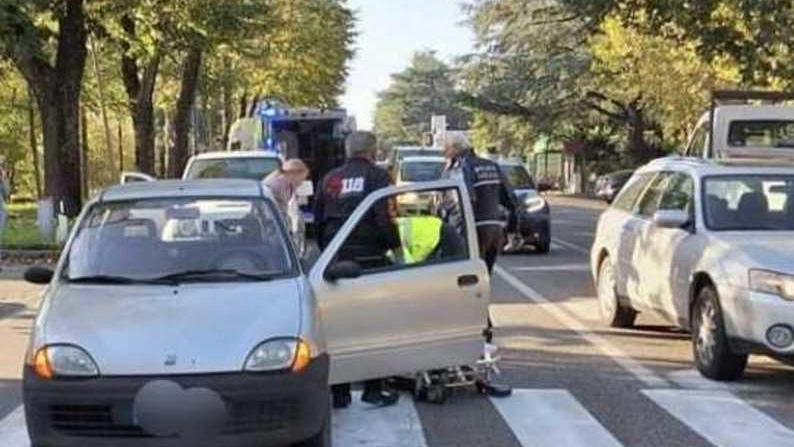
<point>613,312</point>
<point>544,245</point>
<point>710,346</point>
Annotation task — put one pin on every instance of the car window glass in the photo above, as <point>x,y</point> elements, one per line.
<point>255,168</point>
<point>678,194</point>
<point>697,146</point>
<point>430,225</point>
<point>750,202</point>
<point>650,199</point>
<point>421,171</point>
<point>630,193</point>
<point>152,238</point>
<point>761,133</point>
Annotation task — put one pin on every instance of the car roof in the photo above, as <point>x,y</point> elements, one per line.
<point>700,167</point>
<point>417,148</point>
<point>184,188</point>
<point>235,154</point>
<point>423,158</point>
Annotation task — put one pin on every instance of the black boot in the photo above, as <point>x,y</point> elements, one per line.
<point>374,394</point>
<point>341,396</point>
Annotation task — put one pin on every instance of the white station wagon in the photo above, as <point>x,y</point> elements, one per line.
<point>710,246</point>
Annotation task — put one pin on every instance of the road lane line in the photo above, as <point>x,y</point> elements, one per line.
<point>639,371</point>
<point>366,425</point>
<point>554,268</point>
<point>571,246</point>
<point>552,417</point>
<point>722,418</point>
<point>13,432</point>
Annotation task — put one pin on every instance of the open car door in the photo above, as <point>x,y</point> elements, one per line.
<point>425,312</point>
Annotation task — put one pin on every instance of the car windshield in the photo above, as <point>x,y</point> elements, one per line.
<point>751,202</point>
<point>251,168</point>
<point>518,177</point>
<point>767,133</point>
<point>421,171</point>
<point>200,239</point>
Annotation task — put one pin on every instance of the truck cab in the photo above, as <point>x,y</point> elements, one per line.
<point>745,125</point>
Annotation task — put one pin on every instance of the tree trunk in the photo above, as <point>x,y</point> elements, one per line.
<point>639,150</point>
<point>103,108</point>
<point>34,142</point>
<point>84,149</point>
<point>57,88</point>
<point>182,116</point>
<point>120,135</point>
<point>243,106</point>
<point>140,94</point>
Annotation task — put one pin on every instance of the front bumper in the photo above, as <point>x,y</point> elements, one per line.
<point>748,317</point>
<point>261,410</point>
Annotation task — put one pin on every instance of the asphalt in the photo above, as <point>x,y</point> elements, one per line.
<point>577,383</point>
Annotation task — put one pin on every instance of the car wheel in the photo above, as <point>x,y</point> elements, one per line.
<point>613,313</point>
<point>713,356</point>
<point>544,245</point>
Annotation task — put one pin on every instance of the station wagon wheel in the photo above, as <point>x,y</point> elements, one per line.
<point>613,313</point>
<point>713,355</point>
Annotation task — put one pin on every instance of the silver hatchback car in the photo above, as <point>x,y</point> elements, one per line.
<point>179,315</point>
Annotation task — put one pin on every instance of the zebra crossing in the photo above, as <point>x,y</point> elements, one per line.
<point>537,417</point>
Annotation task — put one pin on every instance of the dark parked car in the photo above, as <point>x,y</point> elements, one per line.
<point>534,226</point>
<point>608,186</point>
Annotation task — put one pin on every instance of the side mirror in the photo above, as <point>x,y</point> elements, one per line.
<point>671,219</point>
<point>343,270</point>
<point>39,275</point>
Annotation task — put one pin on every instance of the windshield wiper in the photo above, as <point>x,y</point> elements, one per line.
<point>210,274</point>
<point>120,280</point>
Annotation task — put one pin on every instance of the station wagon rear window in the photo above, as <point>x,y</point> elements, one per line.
<point>206,239</point>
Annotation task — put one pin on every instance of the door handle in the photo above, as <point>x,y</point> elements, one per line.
<point>468,280</point>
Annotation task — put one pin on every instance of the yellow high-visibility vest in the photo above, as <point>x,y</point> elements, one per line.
<point>420,236</point>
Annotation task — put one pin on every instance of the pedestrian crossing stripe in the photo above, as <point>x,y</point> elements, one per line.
<point>552,418</point>
<point>722,418</point>
<point>536,417</point>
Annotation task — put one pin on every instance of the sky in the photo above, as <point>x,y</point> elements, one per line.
<point>389,32</point>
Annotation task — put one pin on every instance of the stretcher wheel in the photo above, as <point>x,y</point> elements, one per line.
<point>437,394</point>
<point>496,390</point>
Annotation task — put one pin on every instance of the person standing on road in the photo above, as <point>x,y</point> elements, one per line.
<point>5,192</point>
<point>284,181</point>
<point>340,193</point>
<point>489,192</point>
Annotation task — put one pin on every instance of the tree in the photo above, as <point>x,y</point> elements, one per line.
<point>46,41</point>
<point>424,89</point>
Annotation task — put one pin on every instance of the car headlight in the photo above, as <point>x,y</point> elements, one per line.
<point>279,354</point>
<point>63,361</point>
<point>774,283</point>
<point>534,204</point>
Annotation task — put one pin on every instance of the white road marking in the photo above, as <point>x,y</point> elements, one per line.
<point>13,431</point>
<point>572,246</point>
<point>552,417</point>
<point>555,268</point>
<point>722,418</point>
<point>368,426</point>
<point>639,371</point>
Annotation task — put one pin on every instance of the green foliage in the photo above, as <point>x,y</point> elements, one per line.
<point>21,231</point>
<point>424,89</point>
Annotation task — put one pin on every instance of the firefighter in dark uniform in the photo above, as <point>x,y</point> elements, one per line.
<point>375,242</point>
<point>489,192</point>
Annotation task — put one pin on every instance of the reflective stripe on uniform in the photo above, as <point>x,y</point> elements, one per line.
<point>487,183</point>
<point>484,223</point>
